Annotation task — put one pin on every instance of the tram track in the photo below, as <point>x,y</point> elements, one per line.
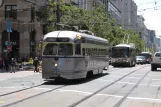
<point>126,95</point>
<point>48,91</point>
<point>13,103</point>
<point>20,90</point>
<point>91,95</point>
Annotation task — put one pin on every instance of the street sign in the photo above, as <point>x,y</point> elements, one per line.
<point>9,48</point>
<point>9,25</point>
<point>6,43</point>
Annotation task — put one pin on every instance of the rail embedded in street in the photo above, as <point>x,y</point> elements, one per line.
<point>89,96</point>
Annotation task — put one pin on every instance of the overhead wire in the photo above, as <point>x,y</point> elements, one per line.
<point>159,23</point>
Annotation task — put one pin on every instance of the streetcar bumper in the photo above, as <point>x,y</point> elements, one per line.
<point>66,75</point>
<point>120,63</point>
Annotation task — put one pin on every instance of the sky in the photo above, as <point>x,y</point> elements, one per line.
<point>151,11</point>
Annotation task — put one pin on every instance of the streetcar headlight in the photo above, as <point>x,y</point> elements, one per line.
<point>56,65</point>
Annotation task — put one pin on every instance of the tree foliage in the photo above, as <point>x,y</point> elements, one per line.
<point>97,21</point>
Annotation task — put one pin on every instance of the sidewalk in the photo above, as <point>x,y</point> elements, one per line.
<point>18,74</point>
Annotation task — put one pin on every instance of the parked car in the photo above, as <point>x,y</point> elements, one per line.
<point>156,62</point>
<point>148,56</point>
<point>140,60</point>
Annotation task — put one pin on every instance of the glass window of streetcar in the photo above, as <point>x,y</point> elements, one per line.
<point>58,49</point>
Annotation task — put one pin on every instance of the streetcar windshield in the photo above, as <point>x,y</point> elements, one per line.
<point>58,49</point>
<point>118,52</point>
<point>65,49</point>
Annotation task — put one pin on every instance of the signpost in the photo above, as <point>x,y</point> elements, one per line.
<point>9,48</point>
<point>9,30</point>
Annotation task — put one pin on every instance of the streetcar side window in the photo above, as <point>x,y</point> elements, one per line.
<point>78,49</point>
<point>83,51</point>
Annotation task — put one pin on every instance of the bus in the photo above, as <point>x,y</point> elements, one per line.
<point>73,55</point>
<point>123,55</point>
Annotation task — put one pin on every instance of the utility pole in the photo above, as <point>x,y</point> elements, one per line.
<point>57,14</point>
<point>58,11</point>
<point>106,3</point>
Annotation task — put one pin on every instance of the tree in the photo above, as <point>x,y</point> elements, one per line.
<point>97,21</point>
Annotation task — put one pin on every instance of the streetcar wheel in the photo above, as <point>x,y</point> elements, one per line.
<point>89,75</point>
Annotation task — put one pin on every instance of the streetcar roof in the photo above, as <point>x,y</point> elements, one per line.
<point>124,45</point>
<point>72,35</point>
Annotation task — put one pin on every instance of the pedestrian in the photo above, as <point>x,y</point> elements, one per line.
<point>13,64</point>
<point>36,63</point>
<point>1,64</point>
<point>31,61</point>
<point>6,63</point>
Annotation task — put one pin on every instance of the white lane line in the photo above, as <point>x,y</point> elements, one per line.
<point>2,79</point>
<point>124,73</point>
<point>14,87</point>
<point>25,75</point>
<point>155,75</point>
<point>115,75</point>
<point>156,79</point>
<point>108,95</point>
<point>83,92</point>
<point>17,77</point>
<point>37,88</point>
<point>133,98</point>
<point>130,83</point>
<point>138,74</point>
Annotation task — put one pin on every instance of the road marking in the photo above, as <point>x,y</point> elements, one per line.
<point>19,76</point>
<point>156,79</point>
<point>14,87</point>
<point>138,74</point>
<point>2,102</point>
<point>130,83</point>
<point>37,88</point>
<point>115,75</point>
<point>133,98</point>
<point>117,96</point>
<point>155,75</point>
<point>83,92</point>
<point>2,79</point>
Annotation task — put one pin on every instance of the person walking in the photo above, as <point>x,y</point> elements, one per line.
<point>1,64</point>
<point>36,63</point>
<point>6,63</point>
<point>13,64</point>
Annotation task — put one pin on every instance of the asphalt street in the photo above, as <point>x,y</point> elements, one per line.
<point>117,87</point>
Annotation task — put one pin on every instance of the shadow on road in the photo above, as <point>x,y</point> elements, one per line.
<point>157,70</point>
<point>73,82</point>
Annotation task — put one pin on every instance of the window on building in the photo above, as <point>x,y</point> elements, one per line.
<point>11,11</point>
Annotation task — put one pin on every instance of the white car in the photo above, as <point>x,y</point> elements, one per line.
<point>156,61</point>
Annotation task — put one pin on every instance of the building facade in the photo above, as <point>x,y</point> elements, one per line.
<point>25,32</point>
<point>114,12</point>
<point>128,10</point>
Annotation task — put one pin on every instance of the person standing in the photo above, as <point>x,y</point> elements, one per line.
<point>36,63</point>
<point>1,64</point>
<point>13,64</point>
<point>6,63</point>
